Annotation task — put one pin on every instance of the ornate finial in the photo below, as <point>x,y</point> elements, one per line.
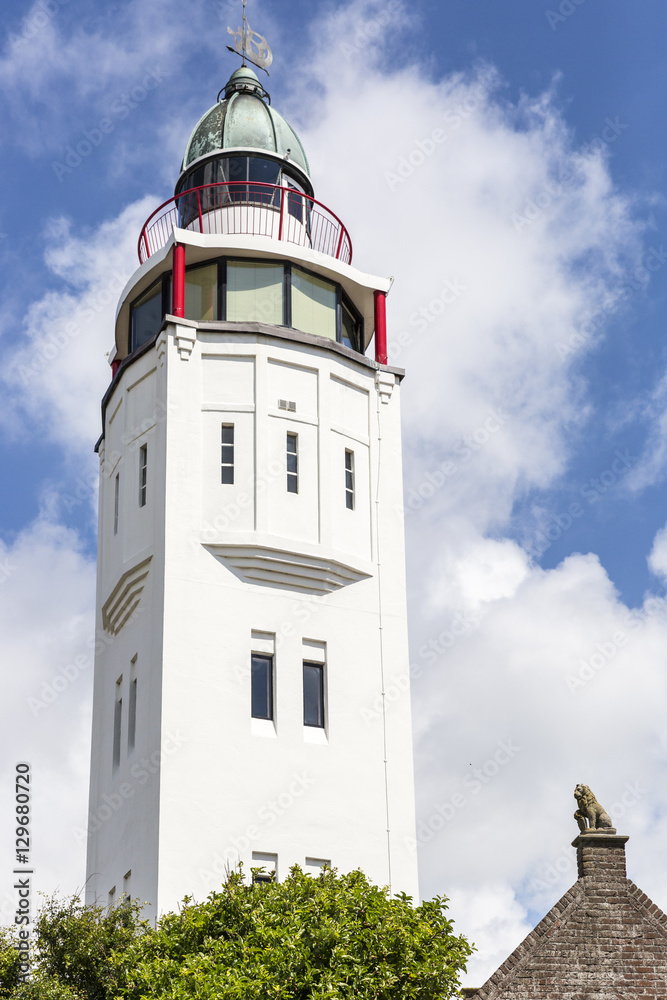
<point>590,815</point>
<point>246,40</point>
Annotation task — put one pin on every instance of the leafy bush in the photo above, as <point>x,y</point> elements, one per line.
<point>333,937</point>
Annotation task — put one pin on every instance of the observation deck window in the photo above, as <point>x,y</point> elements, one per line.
<point>255,292</point>
<point>201,292</point>
<point>313,304</point>
<point>247,290</point>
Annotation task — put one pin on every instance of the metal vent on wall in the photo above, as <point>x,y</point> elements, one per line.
<point>287,404</point>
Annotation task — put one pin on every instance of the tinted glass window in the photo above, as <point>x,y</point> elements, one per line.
<point>313,304</point>
<point>146,316</point>
<point>255,292</point>
<point>262,686</point>
<point>201,293</point>
<point>313,694</point>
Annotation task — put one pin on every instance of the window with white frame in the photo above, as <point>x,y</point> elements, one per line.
<point>227,454</point>
<point>267,865</point>
<point>313,694</point>
<point>116,503</point>
<point>143,474</point>
<point>349,479</point>
<point>117,722</point>
<point>292,462</point>
<point>261,684</point>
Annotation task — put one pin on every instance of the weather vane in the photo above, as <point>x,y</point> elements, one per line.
<point>252,46</point>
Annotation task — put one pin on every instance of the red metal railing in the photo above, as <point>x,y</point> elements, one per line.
<point>248,208</point>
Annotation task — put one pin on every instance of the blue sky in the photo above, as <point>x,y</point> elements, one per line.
<point>544,204</point>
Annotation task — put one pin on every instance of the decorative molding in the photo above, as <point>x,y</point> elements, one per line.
<point>293,570</point>
<point>185,338</point>
<point>161,347</point>
<point>384,383</point>
<point>124,598</point>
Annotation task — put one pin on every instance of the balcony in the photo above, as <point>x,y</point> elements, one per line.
<point>248,209</point>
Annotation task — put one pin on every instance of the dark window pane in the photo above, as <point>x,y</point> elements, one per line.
<point>146,316</point>
<point>263,170</point>
<point>313,694</point>
<point>350,335</point>
<point>292,464</point>
<point>227,454</point>
<point>262,687</point>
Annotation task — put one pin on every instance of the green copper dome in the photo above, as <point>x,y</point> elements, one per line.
<point>244,119</point>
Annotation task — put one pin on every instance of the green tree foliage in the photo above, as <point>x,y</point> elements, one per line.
<point>74,948</point>
<point>334,937</point>
<point>9,963</point>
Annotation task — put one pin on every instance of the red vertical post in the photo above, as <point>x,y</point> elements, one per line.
<point>178,281</point>
<point>381,328</point>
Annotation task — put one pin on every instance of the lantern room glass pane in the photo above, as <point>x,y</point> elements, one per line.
<point>201,293</point>
<point>146,316</point>
<point>313,305</point>
<point>255,292</point>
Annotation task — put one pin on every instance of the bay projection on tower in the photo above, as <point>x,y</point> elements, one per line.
<point>250,699</point>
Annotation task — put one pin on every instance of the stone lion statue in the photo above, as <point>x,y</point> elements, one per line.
<point>590,811</point>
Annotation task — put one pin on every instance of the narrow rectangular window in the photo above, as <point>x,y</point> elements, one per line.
<point>117,722</point>
<point>132,717</point>
<point>112,896</point>
<point>262,686</point>
<point>313,694</point>
<point>143,474</point>
<point>127,883</point>
<point>349,479</point>
<point>292,463</point>
<point>227,458</point>
<point>116,502</point>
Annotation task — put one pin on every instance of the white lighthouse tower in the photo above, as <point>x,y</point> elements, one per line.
<point>251,699</point>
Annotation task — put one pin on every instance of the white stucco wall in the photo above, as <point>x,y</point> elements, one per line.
<point>206,785</point>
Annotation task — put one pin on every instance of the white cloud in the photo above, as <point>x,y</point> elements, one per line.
<point>58,371</point>
<point>657,559</point>
<point>47,597</point>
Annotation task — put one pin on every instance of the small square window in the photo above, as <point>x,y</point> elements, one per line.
<point>227,454</point>
<point>292,463</point>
